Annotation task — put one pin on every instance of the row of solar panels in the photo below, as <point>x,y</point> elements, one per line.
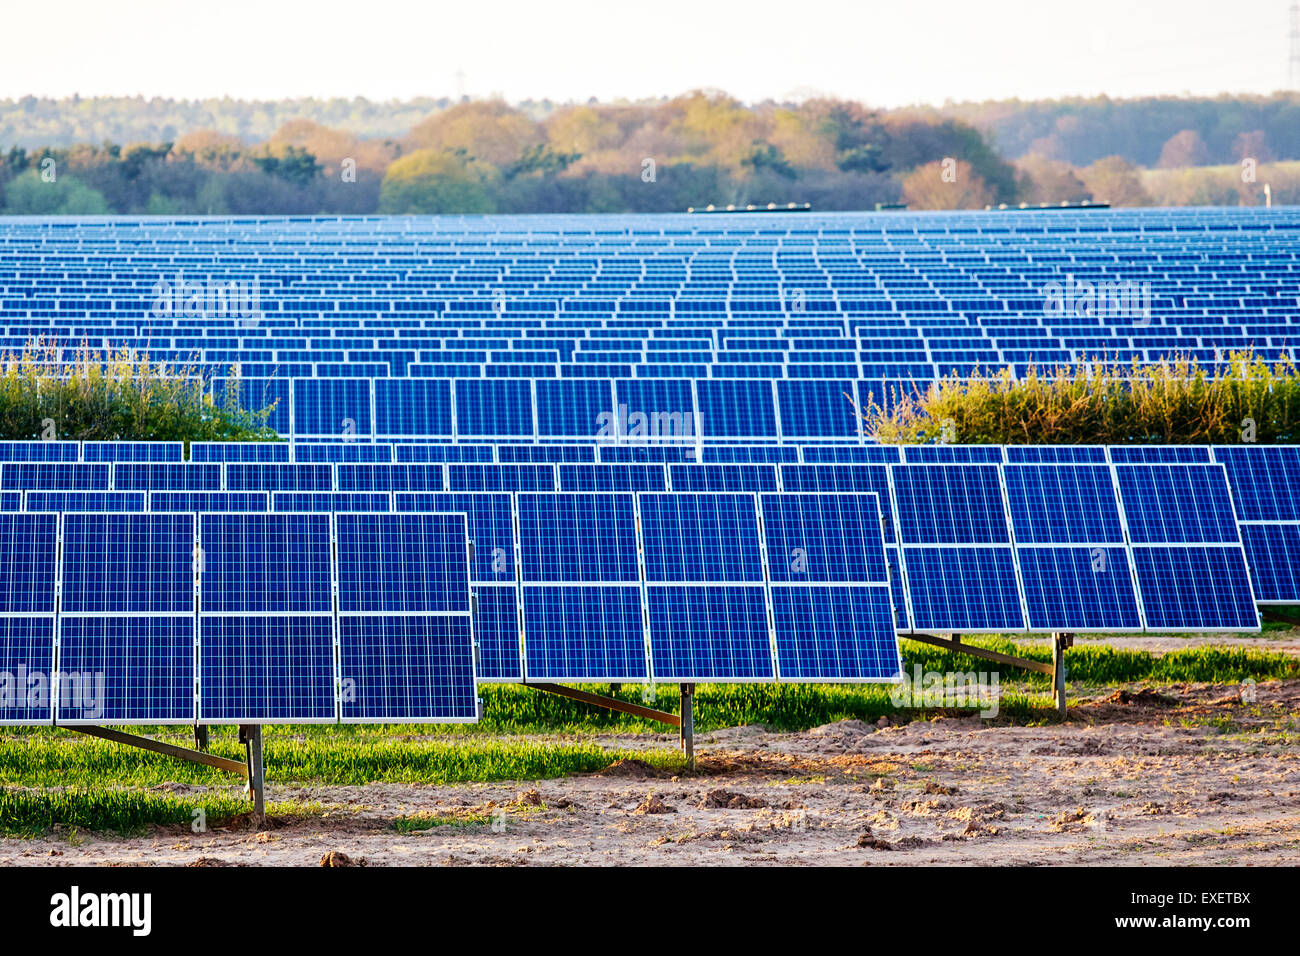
<point>233,618</point>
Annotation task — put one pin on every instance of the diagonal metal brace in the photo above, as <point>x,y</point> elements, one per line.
<point>157,746</point>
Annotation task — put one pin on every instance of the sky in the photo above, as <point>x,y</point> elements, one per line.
<point>883,53</point>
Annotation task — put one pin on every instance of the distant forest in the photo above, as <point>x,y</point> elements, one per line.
<point>159,156</point>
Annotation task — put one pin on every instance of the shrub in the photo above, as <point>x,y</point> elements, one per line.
<point>1174,401</point>
<point>121,396</point>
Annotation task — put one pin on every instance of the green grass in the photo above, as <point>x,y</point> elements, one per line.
<point>98,809</point>
<point>427,821</point>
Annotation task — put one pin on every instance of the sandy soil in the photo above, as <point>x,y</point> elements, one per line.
<point>1189,775</point>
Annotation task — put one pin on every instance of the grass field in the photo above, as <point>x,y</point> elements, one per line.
<point>54,778</point>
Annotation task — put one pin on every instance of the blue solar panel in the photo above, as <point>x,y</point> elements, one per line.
<point>852,454</point>
<point>1265,480</point>
<point>844,478</point>
<point>500,477</point>
<point>823,538</point>
<point>723,477</point>
<point>221,451</point>
<point>407,668</point>
<point>342,501</point>
<point>126,670</point>
<point>194,501</point>
<point>397,477</point>
<point>128,564</point>
<point>654,411</point>
<point>141,451</point>
<point>50,476</point>
<point>1063,504</point>
<point>613,477</point>
<point>1079,589</point>
<point>490,523</point>
<point>813,409</point>
<point>40,451</point>
<point>265,564</point>
<point>331,407</point>
<point>27,656</point>
<point>952,454</point>
<point>577,538</point>
<point>742,454</point>
<point>584,633</point>
<point>1171,504</point>
<point>1195,589</point>
<point>709,633</point>
<point>129,476</point>
<point>266,669</point>
<point>403,563</point>
<point>86,501</point>
<point>1273,554</point>
<point>703,538</point>
<point>736,409</point>
<point>527,453</point>
<point>496,625</point>
<point>422,453</point>
<point>1055,454</point>
<point>340,452</point>
<point>494,408</point>
<point>573,408</point>
<point>963,589</point>
<point>829,633</point>
<point>1158,454</point>
<point>947,504</point>
<point>12,500</point>
<point>279,477</point>
<point>28,555</point>
<point>417,407</point>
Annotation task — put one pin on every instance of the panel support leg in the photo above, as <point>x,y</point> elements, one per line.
<point>201,737</point>
<point>251,736</point>
<point>688,724</point>
<point>1059,644</point>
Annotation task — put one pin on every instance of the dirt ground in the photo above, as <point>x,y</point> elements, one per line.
<point>1186,775</point>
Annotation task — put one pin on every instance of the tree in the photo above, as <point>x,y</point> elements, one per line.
<point>435,181</point>
<point>1252,145</point>
<point>1050,181</point>
<point>1115,181</point>
<point>490,131</point>
<point>29,195</point>
<point>1184,148</point>
<point>946,186</point>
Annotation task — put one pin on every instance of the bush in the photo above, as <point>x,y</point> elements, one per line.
<point>93,397</point>
<point>1174,401</point>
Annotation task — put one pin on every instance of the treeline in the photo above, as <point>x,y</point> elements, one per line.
<point>485,156</point>
<point>695,150</point>
<point>1148,131</point>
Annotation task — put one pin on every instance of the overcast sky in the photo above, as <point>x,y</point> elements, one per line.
<point>884,53</point>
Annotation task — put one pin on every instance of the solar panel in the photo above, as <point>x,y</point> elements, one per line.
<point>130,476</point>
<point>222,451</point>
<point>1273,554</point>
<point>956,549</point>
<point>736,409</point>
<point>813,409</point>
<point>500,477</point>
<point>195,501</point>
<point>137,451</point>
<point>341,452</point>
<point>581,590</point>
<point>406,649</point>
<point>1187,551</point>
<point>1055,454</point>
<point>952,454</point>
<point>697,478</point>
<point>704,588</point>
<point>1158,454</point>
<point>413,407</point>
<point>1071,549</point>
<point>423,453</point>
<point>279,477</point>
<point>397,477</point>
<point>830,587</point>
<point>573,408</point>
<point>28,558</point>
<point>27,656</point>
<point>403,563</point>
<point>85,501</point>
<point>40,451</point>
<point>612,477</point>
<point>128,564</point>
<point>1264,479</point>
<point>11,501</point>
<point>494,408</point>
<point>334,408</point>
<point>51,476</point>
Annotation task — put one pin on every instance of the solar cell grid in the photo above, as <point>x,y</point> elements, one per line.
<point>134,564</point>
